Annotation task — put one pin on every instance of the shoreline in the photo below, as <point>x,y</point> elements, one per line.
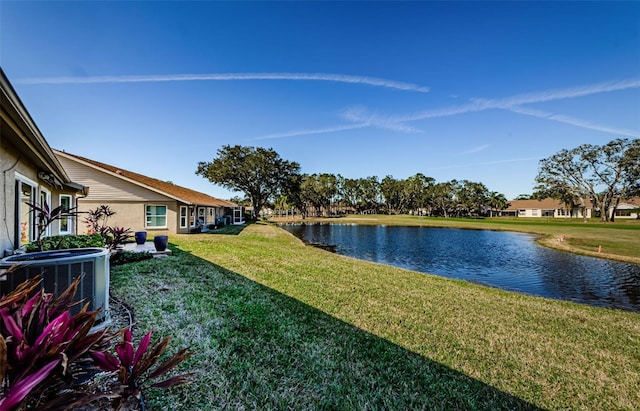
<point>556,240</point>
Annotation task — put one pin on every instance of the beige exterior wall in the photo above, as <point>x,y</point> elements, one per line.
<point>127,199</point>
<point>15,168</point>
<point>557,213</point>
<point>131,215</point>
<point>105,187</point>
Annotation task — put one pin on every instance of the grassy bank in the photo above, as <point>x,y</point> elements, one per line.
<point>277,325</point>
<point>616,241</point>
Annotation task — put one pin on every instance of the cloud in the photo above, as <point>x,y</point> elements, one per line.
<point>296,133</point>
<point>575,121</point>
<point>359,114</point>
<point>340,78</point>
<point>515,101</point>
<point>475,149</point>
<point>364,118</point>
<point>551,95</point>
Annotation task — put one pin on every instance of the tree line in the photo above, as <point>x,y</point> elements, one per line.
<point>269,181</point>
<point>605,175</point>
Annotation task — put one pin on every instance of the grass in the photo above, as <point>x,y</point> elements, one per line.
<point>277,325</point>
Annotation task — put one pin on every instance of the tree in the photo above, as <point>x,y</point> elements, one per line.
<point>497,201</point>
<point>393,192</point>
<point>418,188</point>
<point>319,190</point>
<point>258,172</point>
<point>604,174</point>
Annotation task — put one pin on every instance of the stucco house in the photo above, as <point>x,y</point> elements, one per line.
<point>31,172</point>
<point>548,207</point>
<point>144,203</point>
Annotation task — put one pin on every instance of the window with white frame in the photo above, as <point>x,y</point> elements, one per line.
<point>66,222</point>
<point>156,216</point>
<point>183,216</point>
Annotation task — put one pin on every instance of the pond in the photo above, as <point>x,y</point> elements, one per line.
<point>507,260</point>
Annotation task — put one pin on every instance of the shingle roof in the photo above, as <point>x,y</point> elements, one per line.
<point>186,195</point>
<point>546,204</point>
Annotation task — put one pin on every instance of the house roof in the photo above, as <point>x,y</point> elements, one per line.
<point>630,203</point>
<point>21,131</point>
<point>546,204</point>
<point>183,194</point>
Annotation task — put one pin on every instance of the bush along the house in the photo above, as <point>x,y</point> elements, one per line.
<point>45,352</point>
<point>126,257</point>
<point>62,242</point>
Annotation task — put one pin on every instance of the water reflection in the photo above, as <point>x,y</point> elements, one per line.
<point>511,261</point>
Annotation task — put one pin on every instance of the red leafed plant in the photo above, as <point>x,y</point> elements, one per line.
<point>44,349</point>
<point>45,216</point>
<point>133,366</point>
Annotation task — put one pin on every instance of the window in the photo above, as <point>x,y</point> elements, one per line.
<point>65,222</point>
<point>534,213</point>
<point>183,216</point>
<point>200,216</point>
<point>45,198</point>
<point>192,216</point>
<point>156,216</point>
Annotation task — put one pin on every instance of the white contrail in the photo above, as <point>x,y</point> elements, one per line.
<point>551,95</point>
<point>475,149</point>
<point>480,104</point>
<point>296,133</point>
<point>340,78</point>
<point>574,121</point>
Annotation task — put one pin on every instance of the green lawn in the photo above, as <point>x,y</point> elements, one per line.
<point>277,325</point>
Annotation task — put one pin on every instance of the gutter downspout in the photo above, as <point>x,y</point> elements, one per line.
<point>85,194</point>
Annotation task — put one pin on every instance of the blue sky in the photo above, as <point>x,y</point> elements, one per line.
<point>454,90</point>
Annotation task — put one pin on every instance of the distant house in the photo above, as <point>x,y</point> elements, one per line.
<point>629,208</point>
<point>145,203</point>
<point>549,207</point>
<point>30,173</point>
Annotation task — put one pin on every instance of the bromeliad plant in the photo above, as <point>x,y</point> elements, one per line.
<point>44,349</point>
<point>96,221</point>
<point>45,216</point>
<point>42,344</point>
<point>133,367</point>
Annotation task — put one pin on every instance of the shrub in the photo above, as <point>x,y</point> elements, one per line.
<point>61,242</point>
<point>126,257</point>
<point>44,349</point>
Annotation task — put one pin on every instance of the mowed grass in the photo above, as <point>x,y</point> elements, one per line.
<point>274,324</point>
